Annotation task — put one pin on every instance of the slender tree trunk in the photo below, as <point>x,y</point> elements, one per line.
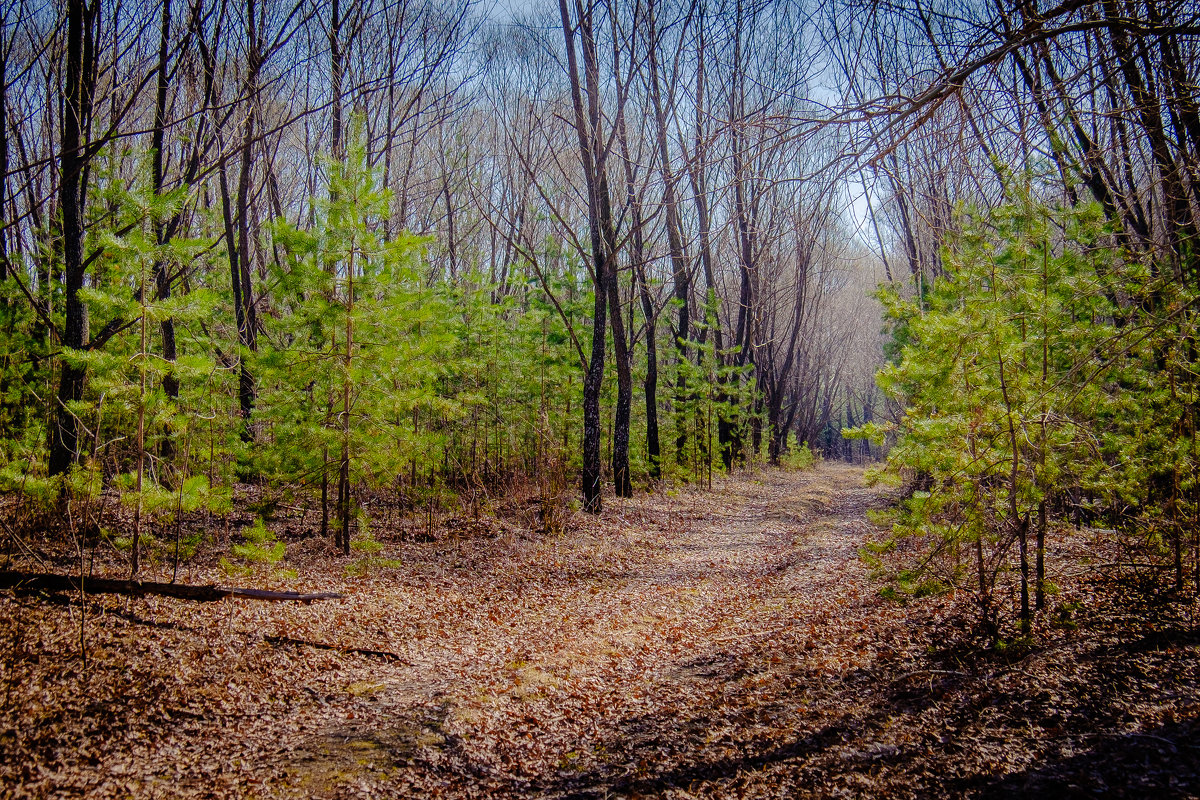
<point>650,386</point>
<point>743,189</point>
<point>653,446</point>
<point>622,480</point>
<point>245,380</point>
<point>336,68</point>
<point>776,381</point>
<point>135,550</point>
<point>162,276</point>
<point>1023,548</point>
<point>344,497</point>
<point>324,492</point>
<point>679,273</point>
<point>1040,556</point>
<point>237,223</point>
<point>9,410</point>
<point>1021,521</point>
<point>622,339</point>
<point>337,151</point>
<point>591,152</point>
<point>698,177</point>
<point>4,216</point>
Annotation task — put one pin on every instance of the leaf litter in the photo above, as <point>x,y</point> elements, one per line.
<point>684,644</point>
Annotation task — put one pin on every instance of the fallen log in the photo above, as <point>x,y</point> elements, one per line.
<point>32,582</point>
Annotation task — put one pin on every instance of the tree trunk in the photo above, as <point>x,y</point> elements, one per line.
<point>1040,566</point>
<point>4,217</point>
<point>622,481</point>
<point>344,501</point>
<point>653,446</point>
<point>245,380</point>
<point>592,380</point>
<point>9,409</point>
<point>237,223</point>
<point>76,110</point>
<point>592,153</point>
<point>336,59</point>
<point>650,386</point>
<point>679,273</point>
<point>162,276</point>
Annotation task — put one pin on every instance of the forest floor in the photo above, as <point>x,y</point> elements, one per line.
<point>685,644</point>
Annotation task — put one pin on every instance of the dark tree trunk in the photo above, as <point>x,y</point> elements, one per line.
<point>594,148</point>
<point>7,413</point>
<point>237,223</point>
<point>679,272</point>
<point>592,486</point>
<point>653,446</point>
<point>4,218</point>
<point>162,276</point>
<point>776,381</point>
<point>344,505</point>
<point>245,380</point>
<point>1040,578</point>
<point>622,481</point>
<point>650,386</point>
<point>591,152</point>
<point>336,59</point>
<point>744,212</point>
<point>76,109</point>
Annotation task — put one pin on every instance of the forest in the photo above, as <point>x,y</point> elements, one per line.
<point>601,398</point>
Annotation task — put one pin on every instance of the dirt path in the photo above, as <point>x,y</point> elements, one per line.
<point>500,662</point>
<point>572,666</point>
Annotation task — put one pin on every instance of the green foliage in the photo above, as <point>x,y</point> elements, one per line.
<point>441,391</point>
<point>235,570</point>
<point>1023,375</point>
<point>125,372</point>
<point>430,388</point>
<point>370,561</point>
<point>369,564</point>
<point>717,391</point>
<point>352,317</point>
<point>259,545</point>
<point>366,543</point>
<point>881,518</point>
<point>797,456</point>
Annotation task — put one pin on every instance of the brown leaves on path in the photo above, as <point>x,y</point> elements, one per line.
<point>727,643</point>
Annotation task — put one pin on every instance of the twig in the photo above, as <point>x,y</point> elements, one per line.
<point>917,672</point>
<point>735,637</point>
<point>362,651</point>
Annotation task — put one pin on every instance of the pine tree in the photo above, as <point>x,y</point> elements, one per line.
<point>357,347</point>
<point>1004,408</point>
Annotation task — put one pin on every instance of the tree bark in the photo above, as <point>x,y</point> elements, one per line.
<point>162,275</point>
<point>336,59</point>
<point>680,277</point>
<point>237,222</point>
<point>592,152</point>
<point>622,481</point>
<point>76,110</point>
